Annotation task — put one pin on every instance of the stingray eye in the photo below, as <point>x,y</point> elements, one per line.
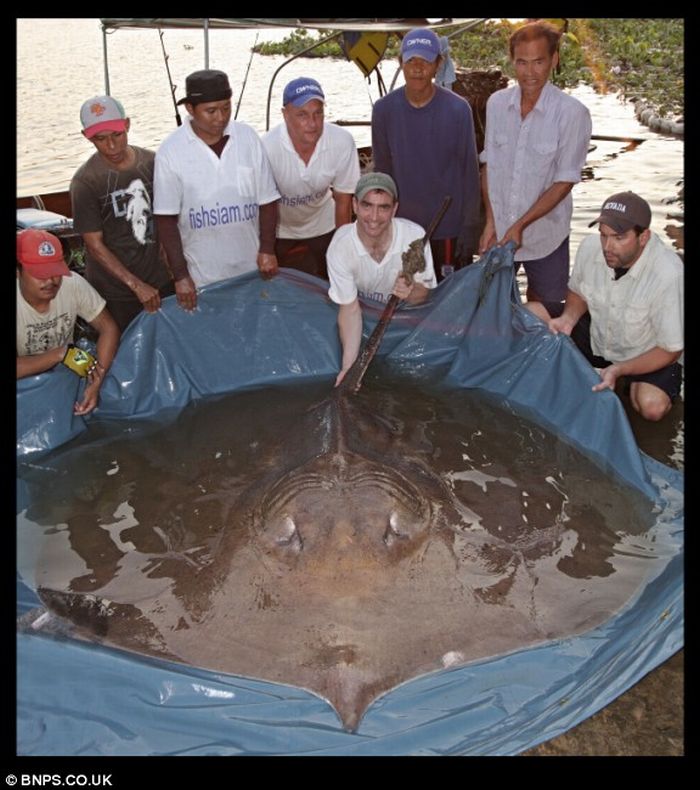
<point>286,535</point>
<point>403,526</point>
<point>393,532</point>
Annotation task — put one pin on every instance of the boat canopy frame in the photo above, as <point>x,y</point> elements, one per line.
<point>338,26</point>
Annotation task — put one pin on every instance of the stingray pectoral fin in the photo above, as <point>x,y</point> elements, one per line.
<point>118,624</point>
<point>84,610</point>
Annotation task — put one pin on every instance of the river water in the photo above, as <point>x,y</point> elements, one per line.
<point>50,146</point>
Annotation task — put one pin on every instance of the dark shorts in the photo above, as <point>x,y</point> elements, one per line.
<point>548,277</point>
<point>123,311</point>
<point>305,255</point>
<point>443,252</point>
<point>668,379</point>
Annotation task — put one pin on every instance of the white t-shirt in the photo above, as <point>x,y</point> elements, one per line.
<point>352,271</point>
<point>38,332</point>
<point>307,208</point>
<point>641,310</point>
<point>216,199</point>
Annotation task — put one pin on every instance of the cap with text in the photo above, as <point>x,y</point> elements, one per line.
<point>302,90</point>
<point>623,211</point>
<point>420,43</point>
<point>41,254</point>
<point>102,114</point>
<point>371,181</point>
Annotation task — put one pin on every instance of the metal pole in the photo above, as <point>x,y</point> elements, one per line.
<point>104,59</point>
<point>245,79</point>
<point>206,43</point>
<point>166,58</point>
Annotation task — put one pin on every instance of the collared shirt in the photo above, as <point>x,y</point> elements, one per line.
<point>217,199</point>
<point>352,271</point>
<point>637,312</point>
<point>307,208</point>
<point>526,156</point>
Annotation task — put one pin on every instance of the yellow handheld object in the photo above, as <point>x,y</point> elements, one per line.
<point>79,361</point>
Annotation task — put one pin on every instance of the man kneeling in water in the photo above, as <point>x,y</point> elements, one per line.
<point>628,322</point>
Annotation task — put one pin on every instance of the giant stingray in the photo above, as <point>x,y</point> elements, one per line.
<point>348,551</point>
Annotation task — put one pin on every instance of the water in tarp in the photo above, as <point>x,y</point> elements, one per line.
<point>341,545</point>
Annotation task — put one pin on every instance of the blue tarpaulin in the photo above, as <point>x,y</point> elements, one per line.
<point>78,698</point>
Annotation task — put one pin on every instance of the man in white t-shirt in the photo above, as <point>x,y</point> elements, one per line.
<point>316,168</point>
<point>624,306</point>
<point>365,259</point>
<point>215,199</point>
<point>49,298</point>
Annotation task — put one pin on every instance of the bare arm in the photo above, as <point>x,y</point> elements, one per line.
<point>574,307</point>
<point>350,331</point>
<point>34,364</point>
<point>169,235</point>
<point>543,205</point>
<point>488,235</point>
<point>343,208</point>
<point>145,293</point>
<point>107,344</point>
<point>267,260</point>
<point>654,359</point>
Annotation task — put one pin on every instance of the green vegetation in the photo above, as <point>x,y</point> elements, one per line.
<point>298,41</point>
<point>640,58</point>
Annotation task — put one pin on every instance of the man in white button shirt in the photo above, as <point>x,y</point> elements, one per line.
<point>536,143</point>
<point>215,199</point>
<point>365,259</point>
<point>624,306</point>
<point>316,168</point>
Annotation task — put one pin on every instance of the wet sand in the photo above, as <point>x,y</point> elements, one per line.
<point>648,719</point>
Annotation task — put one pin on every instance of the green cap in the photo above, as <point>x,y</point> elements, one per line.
<point>370,181</point>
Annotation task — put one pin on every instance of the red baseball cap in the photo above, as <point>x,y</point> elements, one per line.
<point>41,254</point>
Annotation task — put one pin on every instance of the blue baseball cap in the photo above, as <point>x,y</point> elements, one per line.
<point>302,90</point>
<point>420,43</point>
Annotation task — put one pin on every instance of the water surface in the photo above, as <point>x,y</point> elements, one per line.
<point>340,545</point>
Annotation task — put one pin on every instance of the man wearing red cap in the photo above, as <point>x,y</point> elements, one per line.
<point>112,209</point>
<point>624,306</point>
<point>49,298</point>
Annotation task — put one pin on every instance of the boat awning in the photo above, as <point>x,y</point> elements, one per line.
<point>334,27</point>
<point>387,24</point>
